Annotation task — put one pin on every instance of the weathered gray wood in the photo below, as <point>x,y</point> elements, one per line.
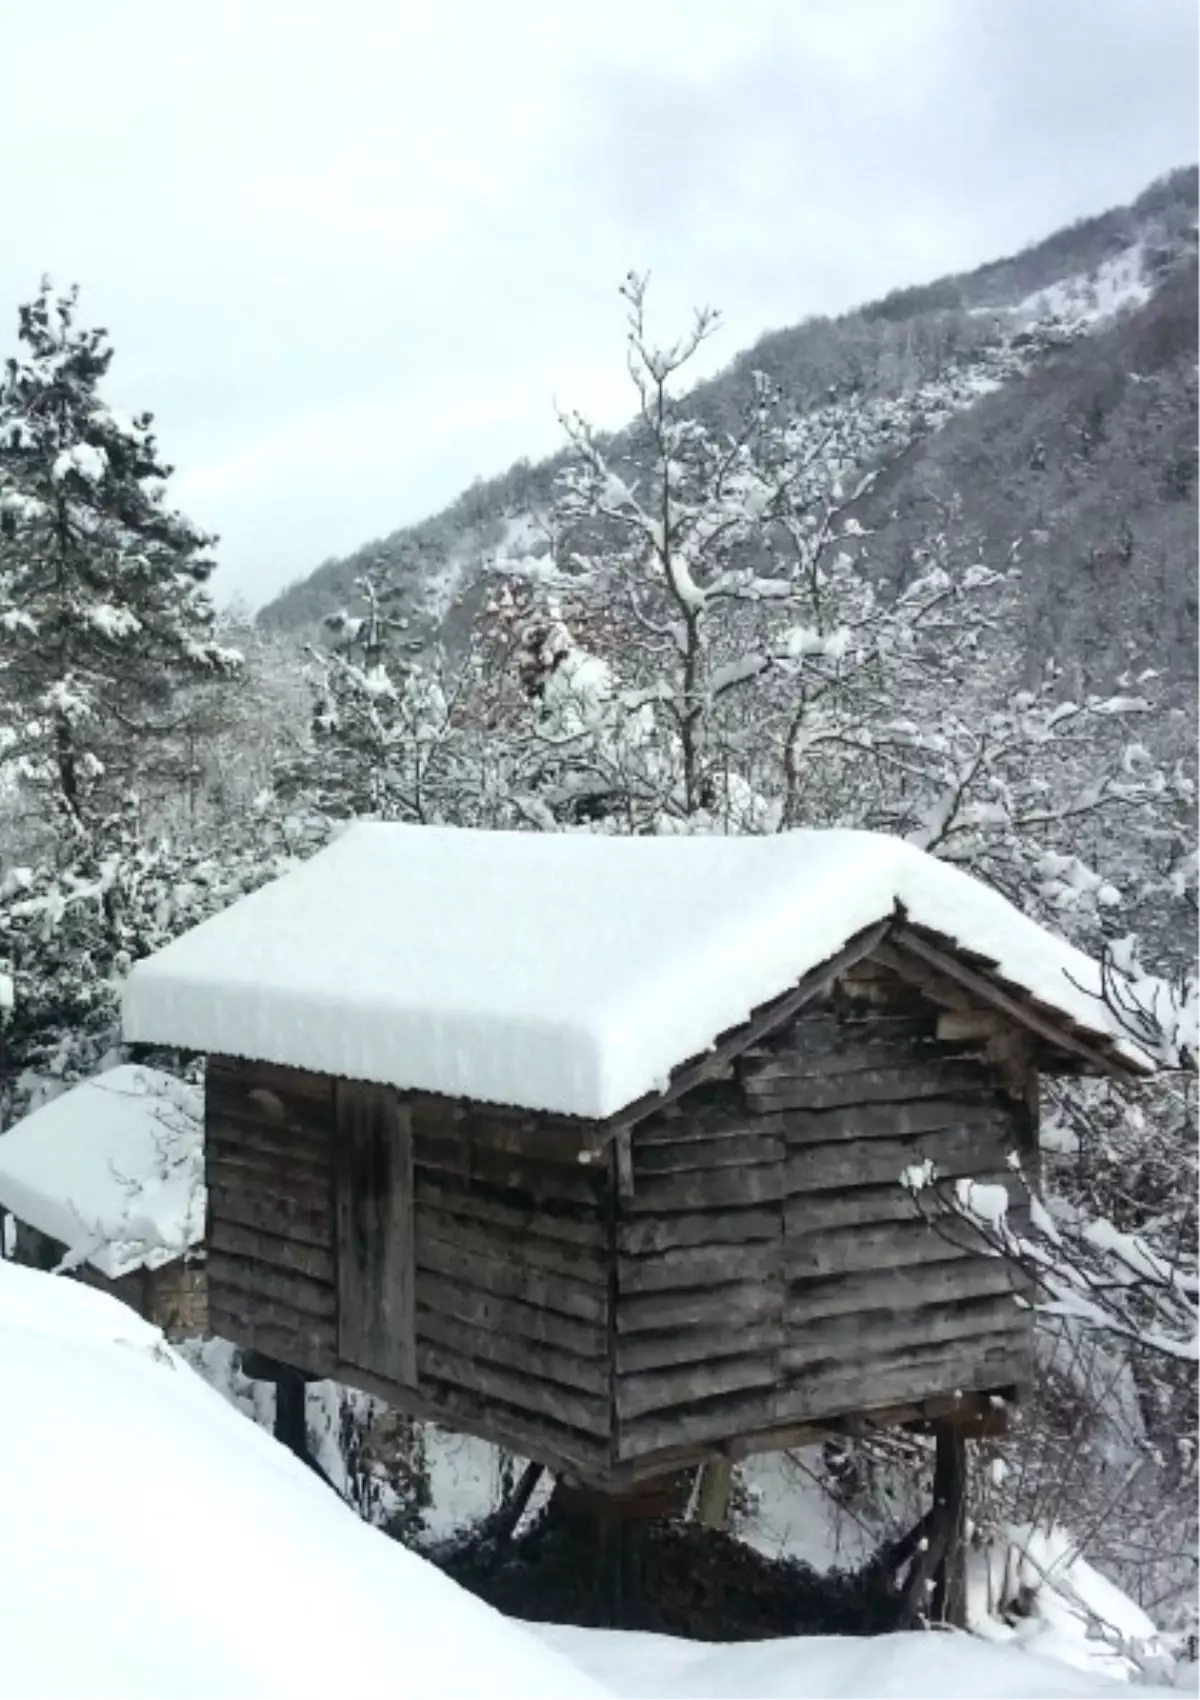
<point>376,1298</point>
<point>714,1189</point>
<point>580,1263</point>
<point>645,1234</point>
<point>1090,1045</point>
<point>749,1301</point>
<point>486,1309</point>
<point>898,1289</point>
<point>917,1079</point>
<point>817,1212</point>
<point>882,1246</point>
<point>813,1036</point>
<point>299,1085</point>
<point>863,1337</point>
<point>580,1227</point>
<point>960,1366</point>
<point>762,1022</point>
<point>522,1356</point>
<point>276,1250</point>
<point>889,1120</point>
<point>536,1287</point>
<point>637,1352</point>
<point>717,1420</point>
<point>689,1384</point>
<point>874,1162</point>
<point>277,1333</point>
<point>731,1150</point>
<point>701,1266</point>
<point>242,1134</point>
<point>572,1183</point>
<point>255,1280</point>
<point>579,1411</point>
<point>300,1222</point>
<point>865,1050</point>
<point>256,1177</point>
<point>563,1450</point>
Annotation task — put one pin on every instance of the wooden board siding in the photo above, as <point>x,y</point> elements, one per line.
<point>376,1302</point>
<point>269,1163</point>
<point>513,1277</point>
<point>771,1269</point>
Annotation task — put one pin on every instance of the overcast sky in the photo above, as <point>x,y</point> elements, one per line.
<point>351,254</point>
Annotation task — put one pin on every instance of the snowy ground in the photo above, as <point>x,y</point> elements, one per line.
<point>156,1543</point>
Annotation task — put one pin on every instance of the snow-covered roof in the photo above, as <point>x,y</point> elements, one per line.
<point>113,1169</point>
<point>567,972</point>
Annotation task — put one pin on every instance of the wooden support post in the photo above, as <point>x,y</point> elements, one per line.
<point>291,1424</point>
<point>497,1530</point>
<point>716,1491</point>
<point>949,1604</point>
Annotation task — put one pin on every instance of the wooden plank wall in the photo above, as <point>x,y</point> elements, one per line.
<point>771,1268</point>
<point>513,1277</point>
<point>269,1161</point>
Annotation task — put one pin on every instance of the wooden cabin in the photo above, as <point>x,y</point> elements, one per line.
<point>106,1182</point>
<point>598,1147</point>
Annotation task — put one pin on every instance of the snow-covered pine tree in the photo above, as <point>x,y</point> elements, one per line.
<point>102,586</point>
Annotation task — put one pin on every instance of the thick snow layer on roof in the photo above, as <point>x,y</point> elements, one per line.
<point>113,1169</point>
<point>565,972</point>
<point>182,1548</point>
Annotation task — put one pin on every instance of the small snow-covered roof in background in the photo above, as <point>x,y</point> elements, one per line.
<point>113,1169</point>
<point>567,972</point>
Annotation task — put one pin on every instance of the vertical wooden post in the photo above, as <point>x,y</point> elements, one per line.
<point>949,1604</point>
<point>291,1424</point>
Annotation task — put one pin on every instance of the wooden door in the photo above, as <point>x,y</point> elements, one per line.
<point>376,1319</point>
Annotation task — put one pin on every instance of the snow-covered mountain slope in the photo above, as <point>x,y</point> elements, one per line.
<point>1059,337</point>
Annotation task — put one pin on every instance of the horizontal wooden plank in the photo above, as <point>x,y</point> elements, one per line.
<point>246,1173</point>
<point>929,1079</point>
<point>899,1289</point>
<point>827,1396</point>
<point>536,1287</point>
<point>641,1234</point>
<point>733,1150</point>
<point>815,1212</point>
<point>747,1301</point>
<point>878,1246</point>
<point>718,1188</point>
<point>574,1183</point>
<point>689,1384</point>
<point>874,1162</point>
<point>574,1410</point>
<point>714,1421</point>
<point>698,1266</point>
<point>462,1303</point>
<point>303,1342</point>
<point>231,1073</point>
<point>275,1250</point>
<point>521,1431</point>
<point>303,1223</point>
<point>583,1263</point>
<point>965,1366</point>
<point>523,1356</point>
<point>890,1121</point>
<point>862,1047</point>
<point>830,1034</point>
<point>255,1280</point>
<point>223,1129</point>
<point>581,1226</point>
<point>863,1337</point>
<point>662,1348</point>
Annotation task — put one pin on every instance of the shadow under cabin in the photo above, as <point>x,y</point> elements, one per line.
<point>629,1155</point>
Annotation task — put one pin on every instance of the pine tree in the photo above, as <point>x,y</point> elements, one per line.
<point>102,586</point>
